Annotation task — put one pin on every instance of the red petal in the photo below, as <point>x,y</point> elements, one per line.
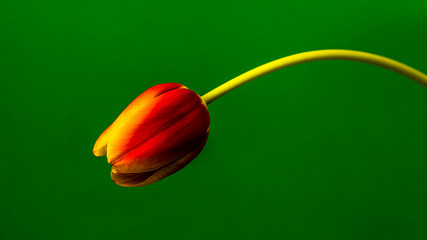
<point>100,148</point>
<point>146,178</point>
<point>159,132</point>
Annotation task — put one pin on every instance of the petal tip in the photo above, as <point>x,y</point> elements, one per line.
<point>100,151</point>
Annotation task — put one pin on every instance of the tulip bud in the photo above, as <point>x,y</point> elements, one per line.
<point>160,132</point>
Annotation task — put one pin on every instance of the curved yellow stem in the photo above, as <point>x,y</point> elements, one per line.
<point>318,55</point>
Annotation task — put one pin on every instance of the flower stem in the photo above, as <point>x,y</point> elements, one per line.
<point>318,55</point>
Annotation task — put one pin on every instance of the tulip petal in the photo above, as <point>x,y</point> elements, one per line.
<point>158,132</point>
<point>129,179</point>
<point>100,148</point>
<point>146,178</point>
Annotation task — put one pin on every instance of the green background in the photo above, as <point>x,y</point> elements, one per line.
<point>324,150</point>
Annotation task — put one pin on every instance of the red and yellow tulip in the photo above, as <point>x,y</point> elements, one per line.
<point>159,133</point>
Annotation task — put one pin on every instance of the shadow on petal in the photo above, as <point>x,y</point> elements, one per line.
<point>129,179</point>
<point>177,165</point>
<point>146,178</point>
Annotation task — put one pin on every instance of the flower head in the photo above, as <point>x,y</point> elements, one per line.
<point>159,133</point>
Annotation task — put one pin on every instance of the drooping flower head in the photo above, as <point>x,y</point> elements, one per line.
<point>159,133</point>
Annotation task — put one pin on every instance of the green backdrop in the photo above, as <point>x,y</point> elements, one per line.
<point>324,150</point>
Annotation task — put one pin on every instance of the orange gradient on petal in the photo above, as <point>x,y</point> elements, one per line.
<point>100,147</point>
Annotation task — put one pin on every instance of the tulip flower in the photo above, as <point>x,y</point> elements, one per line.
<point>159,133</point>
<point>167,126</point>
